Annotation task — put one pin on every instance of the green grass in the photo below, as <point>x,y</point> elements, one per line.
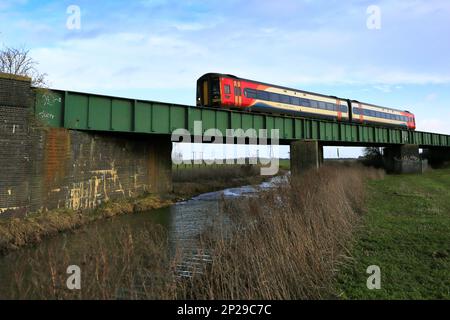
<point>406,232</point>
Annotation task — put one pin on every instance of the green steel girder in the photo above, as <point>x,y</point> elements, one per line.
<point>83,111</point>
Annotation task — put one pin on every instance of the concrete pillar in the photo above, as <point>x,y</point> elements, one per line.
<point>437,157</point>
<point>305,155</point>
<point>403,159</point>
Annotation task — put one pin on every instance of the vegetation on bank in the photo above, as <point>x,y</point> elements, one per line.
<point>285,243</point>
<point>190,180</point>
<point>407,234</point>
<point>19,232</point>
<point>29,230</point>
<point>289,242</point>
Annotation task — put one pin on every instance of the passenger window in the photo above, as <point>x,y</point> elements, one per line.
<point>250,93</point>
<point>227,89</point>
<point>275,97</point>
<point>314,104</point>
<point>285,98</point>
<point>330,107</point>
<point>262,95</point>
<point>322,105</point>
<point>295,101</point>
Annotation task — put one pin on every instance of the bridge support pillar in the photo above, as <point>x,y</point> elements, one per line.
<point>437,157</point>
<point>403,159</point>
<point>305,155</point>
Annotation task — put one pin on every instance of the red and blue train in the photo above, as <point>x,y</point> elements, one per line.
<point>227,91</point>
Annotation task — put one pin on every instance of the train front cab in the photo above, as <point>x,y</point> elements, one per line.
<point>412,121</point>
<point>208,90</point>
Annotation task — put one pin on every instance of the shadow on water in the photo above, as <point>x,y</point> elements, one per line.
<point>184,222</point>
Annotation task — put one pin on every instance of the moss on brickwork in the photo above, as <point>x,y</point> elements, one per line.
<point>14,77</point>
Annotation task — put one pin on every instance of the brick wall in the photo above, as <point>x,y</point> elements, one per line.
<point>15,90</point>
<point>47,168</point>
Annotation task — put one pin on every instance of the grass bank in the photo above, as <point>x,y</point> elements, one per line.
<point>407,234</point>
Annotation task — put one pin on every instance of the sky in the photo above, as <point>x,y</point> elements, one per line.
<point>390,53</point>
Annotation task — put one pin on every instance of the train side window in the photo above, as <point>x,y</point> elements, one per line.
<point>250,93</point>
<point>227,89</point>
<point>314,104</point>
<point>322,105</point>
<point>262,95</point>
<point>274,97</point>
<point>307,103</point>
<point>285,99</point>
<point>355,111</point>
<point>330,107</point>
<point>295,101</point>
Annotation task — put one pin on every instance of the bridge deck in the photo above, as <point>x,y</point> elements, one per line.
<point>83,111</point>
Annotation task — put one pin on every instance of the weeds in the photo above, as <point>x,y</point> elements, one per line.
<point>284,243</point>
<point>287,242</point>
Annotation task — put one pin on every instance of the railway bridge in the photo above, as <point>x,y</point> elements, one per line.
<point>75,150</point>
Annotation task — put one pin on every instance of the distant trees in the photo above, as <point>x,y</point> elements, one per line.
<point>373,156</point>
<point>18,62</point>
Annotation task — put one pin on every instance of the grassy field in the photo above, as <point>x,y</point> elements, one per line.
<point>407,234</point>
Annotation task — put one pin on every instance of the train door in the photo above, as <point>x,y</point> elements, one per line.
<point>237,93</point>
<point>339,109</point>
<point>228,98</point>
<point>205,90</point>
<point>411,122</point>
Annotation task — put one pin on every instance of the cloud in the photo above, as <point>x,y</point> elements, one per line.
<point>433,125</point>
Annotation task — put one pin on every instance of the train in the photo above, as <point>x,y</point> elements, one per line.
<point>228,91</point>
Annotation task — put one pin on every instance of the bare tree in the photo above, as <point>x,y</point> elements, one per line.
<point>18,62</point>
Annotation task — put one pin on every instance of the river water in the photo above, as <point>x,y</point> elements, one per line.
<point>183,221</point>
